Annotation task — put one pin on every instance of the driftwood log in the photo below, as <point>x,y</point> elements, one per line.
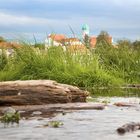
<point>124,104</point>
<point>130,127</point>
<point>50,109</point>
<point>39,92</point>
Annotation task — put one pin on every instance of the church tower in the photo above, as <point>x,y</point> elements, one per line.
<point>85,30</point>
<point>86,37</point>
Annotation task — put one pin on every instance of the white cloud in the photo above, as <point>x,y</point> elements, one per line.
<point>98,22</point>
<point>13,20</point>
<point>7,19</point>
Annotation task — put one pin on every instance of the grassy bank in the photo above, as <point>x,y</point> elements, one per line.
<point>104,66</point>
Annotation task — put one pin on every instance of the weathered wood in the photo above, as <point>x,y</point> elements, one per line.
<point>27,111</point>
<point>38,92</point>
<point>124,104</point>
<point>128,128</point>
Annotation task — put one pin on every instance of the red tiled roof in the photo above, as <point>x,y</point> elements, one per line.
<point>57,37</point>
<point>71,39</point>
<point>6,45</point>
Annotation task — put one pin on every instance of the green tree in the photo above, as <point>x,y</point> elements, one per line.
<point>104,39</point>
<point>87,41</point>
<point>2,39</point>
<point>136,45</point>
<point>124,43</point>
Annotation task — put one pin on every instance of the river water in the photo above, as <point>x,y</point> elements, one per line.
<point>79,125</point>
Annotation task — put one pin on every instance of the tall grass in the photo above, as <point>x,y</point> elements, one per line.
<point>3,59</point>
<point>105,66</point>
<point>122,62</point>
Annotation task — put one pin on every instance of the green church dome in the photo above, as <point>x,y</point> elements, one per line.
<point>85,27</point>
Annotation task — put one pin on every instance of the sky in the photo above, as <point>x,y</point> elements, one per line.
<point>22,18</point>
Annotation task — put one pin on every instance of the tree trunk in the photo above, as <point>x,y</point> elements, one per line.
<point>39,92</point>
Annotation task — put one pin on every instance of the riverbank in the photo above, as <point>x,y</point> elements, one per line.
<point>102,67</point>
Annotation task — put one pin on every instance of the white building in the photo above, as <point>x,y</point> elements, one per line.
<point>54,40</point>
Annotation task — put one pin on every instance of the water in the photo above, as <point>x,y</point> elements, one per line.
<point>79,125</point>
<point>83,125</point>
<point>119,92</point>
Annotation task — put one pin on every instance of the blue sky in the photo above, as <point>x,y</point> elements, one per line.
<point>121,18</point>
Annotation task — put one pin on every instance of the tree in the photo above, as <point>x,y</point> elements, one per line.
<point>124,43</point>
<point>2,39</point>
<point>136,45</point>
<point>104,39</point>
<point>87,41</point>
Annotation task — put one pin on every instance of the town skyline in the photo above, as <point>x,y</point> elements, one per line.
<point>40,17</point>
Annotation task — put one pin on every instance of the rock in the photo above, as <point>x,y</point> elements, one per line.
<point>9,110</point>
<point>40,119</point>
<point>63,113</point>
<point>10,116</point>
<point>128,128</point>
